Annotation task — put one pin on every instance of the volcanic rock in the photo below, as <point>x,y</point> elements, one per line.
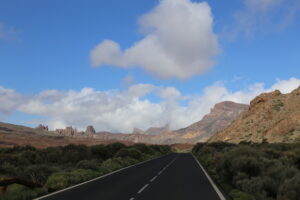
<point>272,117</point>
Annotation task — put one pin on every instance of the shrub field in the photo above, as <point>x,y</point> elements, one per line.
<point>253,171</point>
<point>27,172</point>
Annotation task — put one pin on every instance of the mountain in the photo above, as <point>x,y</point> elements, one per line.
<point>219,117</point>
<point>272,117</point>
<point>15,135</point>
<point>152,130</point>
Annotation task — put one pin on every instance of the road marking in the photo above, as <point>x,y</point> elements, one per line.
<point>98,178</point>
<point>153,178</point>
<point>141,190</point>
<point>145,186</point>
<point>132,198</point>
<point>210,180</point>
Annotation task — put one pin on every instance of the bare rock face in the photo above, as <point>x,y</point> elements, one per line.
<point>68,131</point>
<point>42,127</point>
<point>90,130</point>
<point>152,130</point>
<point>137,131</point>
<point>157,130</point>
<point>272,117</point>
<point>219,117</point>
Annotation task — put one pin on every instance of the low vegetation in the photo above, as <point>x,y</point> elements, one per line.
<point>27,172</point>
<point>253,171</point>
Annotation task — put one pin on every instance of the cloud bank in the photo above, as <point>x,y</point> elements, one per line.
<point>264,16</point>
<point>121,111</point>
<point>179,42</point>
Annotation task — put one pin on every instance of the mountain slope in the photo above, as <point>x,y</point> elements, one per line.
<point>220,117</point>
<point>272,117</point>
<point>152,130</point>
<point>15,135</point>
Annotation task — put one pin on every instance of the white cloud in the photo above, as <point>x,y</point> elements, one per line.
<point>169,93</point>
<point>121,111</point>
<point>9,100</point>
<point>286,86</point>
<point>179,42</point>
<point>264,16</point>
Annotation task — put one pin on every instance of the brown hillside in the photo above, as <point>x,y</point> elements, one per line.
<point>219,117</point>
<point>272,117</point>
<point>15,135</point>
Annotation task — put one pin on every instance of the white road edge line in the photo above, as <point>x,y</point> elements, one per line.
<point>142,189</point>
<point>153,178</point>
<point>132,198</point>
<point>210,180</point>
<point>74,186</point>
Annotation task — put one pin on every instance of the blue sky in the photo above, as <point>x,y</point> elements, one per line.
<point>47,47</point>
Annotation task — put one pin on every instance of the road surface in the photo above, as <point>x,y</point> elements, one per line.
<point>174,177</point>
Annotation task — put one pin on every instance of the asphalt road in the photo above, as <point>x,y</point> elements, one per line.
<point>174,177</point>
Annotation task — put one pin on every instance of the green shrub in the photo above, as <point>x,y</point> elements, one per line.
<point>144,148</point>
<point>129,152</point>
<point>88,164</point>
<point>65,179</point>
<point>239,195</point>
<point>263,171</point>
<point>111,164</point>
<point>58,181</point>
<point>289,190</point>
<point>74,153</point>
<point>19,192</point>
<point>38,173</point>
<point>60,167</point>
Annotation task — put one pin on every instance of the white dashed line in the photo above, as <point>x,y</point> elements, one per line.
<point>161,171</point>
<point>153,178</point>
<point>141,190</point>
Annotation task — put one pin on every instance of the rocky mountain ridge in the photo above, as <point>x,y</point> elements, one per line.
<point>220,116</point>
<point>152,130</point>
<point>271,117</point>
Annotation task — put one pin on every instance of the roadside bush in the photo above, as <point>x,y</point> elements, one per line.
<point>263,171</point>
<point>51,155</point>
<point>88,164</point>
<point>74,153</point>
<point>144,148</point>
<point>129,152</point>
<point>111,164</point>
<point>65,179</point>
<point>56,168</point>
<point>19,192</point>
<point>58,181</point>
<point>239,195</point>
<point>290,189</point>
<point>100,152</point>
<point>38,173</point>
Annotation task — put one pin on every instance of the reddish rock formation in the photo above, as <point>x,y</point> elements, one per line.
<point>219,117</point>
<point>42,127</point>
<point>272,117</point>
<point>90,130</point>
<point>68,131</point>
